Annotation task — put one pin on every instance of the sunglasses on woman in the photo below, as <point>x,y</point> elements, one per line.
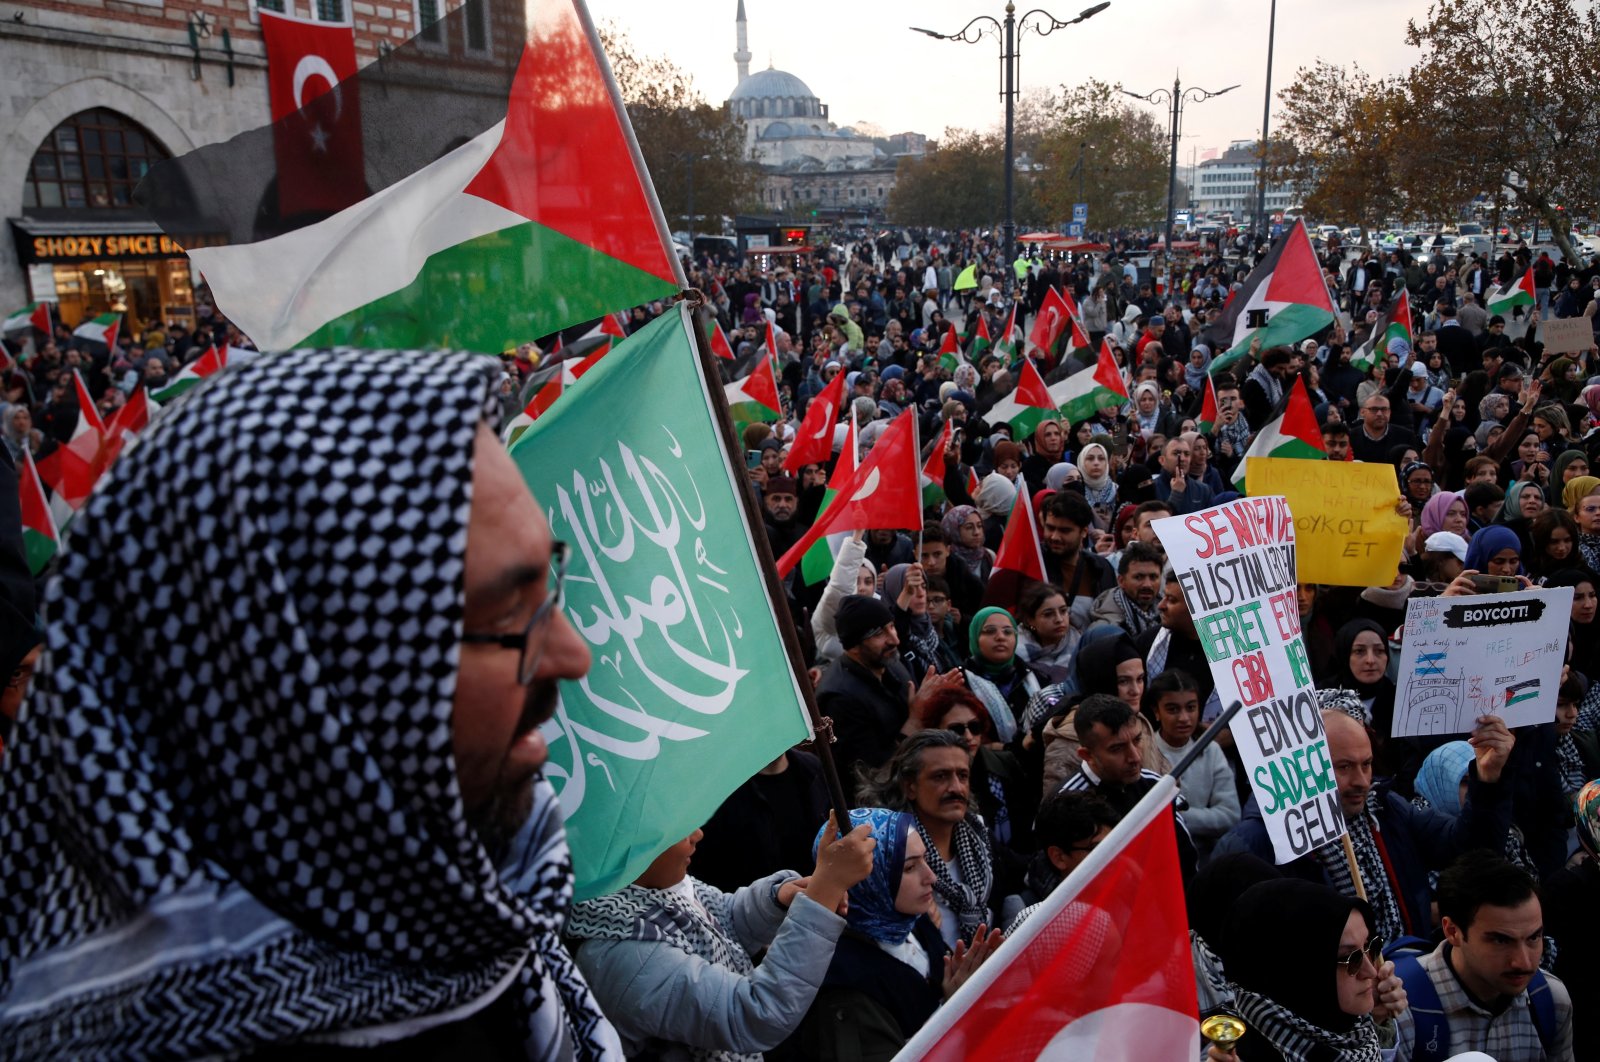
<point>1372,950</point>
<point>963,729</point>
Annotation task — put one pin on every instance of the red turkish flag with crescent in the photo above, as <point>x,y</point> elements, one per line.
<point>316,121</point>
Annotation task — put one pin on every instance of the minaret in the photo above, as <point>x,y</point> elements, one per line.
<point>742,56</point>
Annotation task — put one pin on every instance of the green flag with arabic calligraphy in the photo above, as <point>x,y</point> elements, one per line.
<point>690,692</point>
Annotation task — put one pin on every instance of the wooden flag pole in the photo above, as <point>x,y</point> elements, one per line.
<point>1355,869</point>
<point>822,725</point>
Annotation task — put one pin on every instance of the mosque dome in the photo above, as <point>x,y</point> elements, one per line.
<point>772,84</point>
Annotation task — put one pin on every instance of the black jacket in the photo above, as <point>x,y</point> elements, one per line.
<point>867,712</point>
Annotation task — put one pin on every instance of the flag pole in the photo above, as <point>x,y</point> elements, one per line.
<point>823,727</point>
<point>663,230</point>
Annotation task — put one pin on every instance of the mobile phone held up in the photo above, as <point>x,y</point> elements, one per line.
<point>752,459</point>
<point>1495,584</point>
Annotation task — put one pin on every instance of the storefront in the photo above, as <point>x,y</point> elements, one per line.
<point>129,268</point>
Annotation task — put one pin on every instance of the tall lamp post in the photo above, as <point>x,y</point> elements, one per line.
<point>1266,116</point>
<point>1007,33</point>
<point>1177,96</point>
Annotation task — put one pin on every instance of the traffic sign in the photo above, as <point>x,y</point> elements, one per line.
<point>1075,229</point>
<point>1080,213</point>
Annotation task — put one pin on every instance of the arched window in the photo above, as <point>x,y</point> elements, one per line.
<point>91,161</point>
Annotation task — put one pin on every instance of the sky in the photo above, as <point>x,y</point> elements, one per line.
<point>859,57</point>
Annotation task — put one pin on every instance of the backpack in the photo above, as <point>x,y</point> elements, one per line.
<point>1430,1041</point>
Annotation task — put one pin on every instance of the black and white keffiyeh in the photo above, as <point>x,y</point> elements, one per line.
<point>969,897</point>
<point>1139,619</point>
<point>1297,1040</point>
<point>232,815</point>
<point>1389,922</point>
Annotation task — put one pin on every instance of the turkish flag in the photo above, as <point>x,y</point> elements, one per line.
<point>813,443</point>
<point>316,119</point>
<point>1102,970</point>
<point>884,493</point>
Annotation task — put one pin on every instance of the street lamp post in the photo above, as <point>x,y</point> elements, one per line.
<point>1007,33</point>
<point>1266,116</point>
<point>688,158</point>
<point>1176,96</point>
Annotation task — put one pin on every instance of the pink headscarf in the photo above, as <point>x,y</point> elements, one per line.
<point>1438,506</point>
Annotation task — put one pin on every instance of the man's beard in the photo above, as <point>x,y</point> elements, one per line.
<point>498,819</point>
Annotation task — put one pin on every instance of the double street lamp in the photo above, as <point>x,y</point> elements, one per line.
<point>1007,33</point>
<point>1177,96</point>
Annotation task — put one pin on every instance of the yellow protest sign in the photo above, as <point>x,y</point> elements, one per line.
<point>1346,530</point>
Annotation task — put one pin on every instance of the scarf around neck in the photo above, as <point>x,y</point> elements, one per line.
<point>1297,1040</point>
<point>969,897</point>
<point>1390,923</point>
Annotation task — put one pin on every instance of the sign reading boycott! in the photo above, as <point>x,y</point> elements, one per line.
<point>1236,564</point>
<point>1345,524</point>
<point>1493,654</point>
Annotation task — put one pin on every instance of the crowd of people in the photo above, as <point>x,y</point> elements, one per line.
<point>990,738</point>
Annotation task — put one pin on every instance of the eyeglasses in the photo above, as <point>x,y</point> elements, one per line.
<point>963,729</point>
<point>1371,951</point>
<point>529,653</point>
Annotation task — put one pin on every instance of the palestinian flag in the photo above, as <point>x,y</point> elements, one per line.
<point>1025,407</point>
<point>1521,293</point>
<point>1020,558</point>
<point>933,470</point>
<point>1084,392</point>
<point>40,539</point>
<point>813,442</point>
<point>131,418</point>
<point>1010,345</point>
<point>772,344</point>
<point>1080,336</point>
<point>525,212</point>
<point>102,330</point>
<point>817,564</point>
<point>1283,300</point>
<point>70,470</point>
<point>1292,432</point>
<point>210,363</point>
<point>755,398</point>
<point>719,341</point>
<point>949,351</point>
<point>35,314</point>
<point>1208,408</point>
<point>981,340</point>
<point>1393,323</point>
<point>567,374</point>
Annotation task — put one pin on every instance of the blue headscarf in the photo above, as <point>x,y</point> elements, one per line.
<point>872,908</point>
<point>1439,778</point>
<point>1488,541</point>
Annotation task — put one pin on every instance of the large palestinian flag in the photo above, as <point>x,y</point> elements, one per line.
<point>1393,323</point>
<point>1521,292</point>
<point>1085,391</point>
<point>503,200</point>
<point>1026,406</point>
<point>1283,300</point>
<point>1292,432</point>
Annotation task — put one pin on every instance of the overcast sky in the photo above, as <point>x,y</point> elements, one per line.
<point>859,57</point>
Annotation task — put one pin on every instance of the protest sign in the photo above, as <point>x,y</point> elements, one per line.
<point>1346,530</point>
<point>691,691</point>
<point>1493,654</point>
<point>1566,335</point>
<point>1236,564</point>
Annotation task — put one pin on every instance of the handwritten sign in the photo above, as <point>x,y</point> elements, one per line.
<point>1492,654</point>
<point>690,692</point>
<point>1566,335</point>
<point>1345,523</point>
<point>1236,564</point>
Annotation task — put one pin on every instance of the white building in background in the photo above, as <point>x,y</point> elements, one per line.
<point>1231,183</point>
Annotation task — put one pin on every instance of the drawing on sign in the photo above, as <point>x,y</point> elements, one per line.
<point>1435,700</point>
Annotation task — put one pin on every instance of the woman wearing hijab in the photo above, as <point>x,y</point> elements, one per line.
<point>1304,967</point>
<point>1576,490</point>
<point>1445,511</point>
<point>996,495</point>
<point>1361,663</point>
<point>1416,483</point>
<point>1568,465</point>
<point>1003,681</point>
<point>1099,489</point>
<point>1441,784</point>
<point>1107,662</point>
<point>1524,501</point>
<point>240,845</point>
<point>1584,630</point>
<point>671,962</point>
<point>1495,550</point>
<point>1216,887</point>
<point>964,532</point>
<point>1060,474</point>
<point>907,594</point>
<point>891,969</point>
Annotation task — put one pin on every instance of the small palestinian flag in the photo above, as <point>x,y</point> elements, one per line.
<point>131,418</point>
<point>1393,323</point>
<point>1084,392</point>
<point>1010,344</point>
<point>568,373</point>
<point>817,564</point>
<point>1283,300</point>
<point>102,330</point>
<point>1292,432</point>
<point>1025,407</point>
<point>40,539</point>
<point>1208,408</point>
<point>933,470</point>
<point>719,341</point>
<point>754,399</point>
<point>210,363</point>
<point>523,214</point>
<point>949,351</point>
<point>1521,293</point>
<point>981,340</point>
<point>35,314</point>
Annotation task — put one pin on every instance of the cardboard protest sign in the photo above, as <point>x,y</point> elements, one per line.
<point>1494,654</point>
<point>1236,564</point>
<point>1566,335</point>
<point>1345,525</point>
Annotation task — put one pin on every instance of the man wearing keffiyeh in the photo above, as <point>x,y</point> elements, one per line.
<point>279,788</point>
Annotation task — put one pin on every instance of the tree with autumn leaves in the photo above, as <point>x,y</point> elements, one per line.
<point>1500,103</point>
